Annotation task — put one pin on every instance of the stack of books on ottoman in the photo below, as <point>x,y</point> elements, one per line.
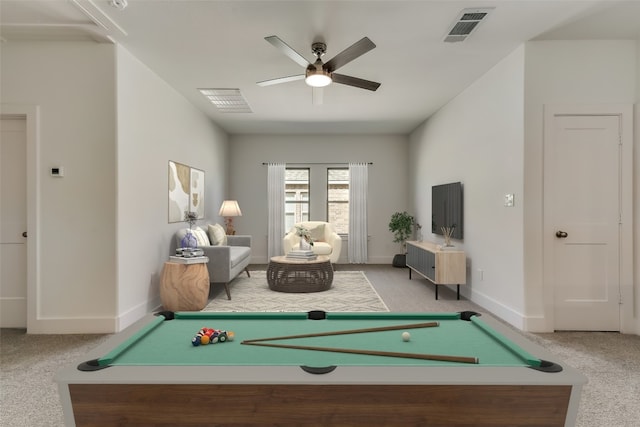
<point>189,256</point>
<point>306,255</point>
<point>189,252</point>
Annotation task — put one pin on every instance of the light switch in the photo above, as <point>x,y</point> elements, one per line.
<point>508,200</point>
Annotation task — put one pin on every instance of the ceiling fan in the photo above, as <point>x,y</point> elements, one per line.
<point>319,74</point>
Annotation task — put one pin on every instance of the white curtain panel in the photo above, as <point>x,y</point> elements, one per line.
<point>358,189</point>
<point>275,194</point>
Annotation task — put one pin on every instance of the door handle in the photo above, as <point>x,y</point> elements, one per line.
<point>24,234</point>
<point>561,234</point>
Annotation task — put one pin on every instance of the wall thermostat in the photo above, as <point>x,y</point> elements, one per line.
<point>57,171</point>
<point>508,200</point>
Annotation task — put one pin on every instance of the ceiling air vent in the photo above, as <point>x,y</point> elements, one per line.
<point>466,22</point>
<point>227,100</point>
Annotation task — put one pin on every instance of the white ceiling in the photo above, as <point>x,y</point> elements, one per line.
<point>220,44</point>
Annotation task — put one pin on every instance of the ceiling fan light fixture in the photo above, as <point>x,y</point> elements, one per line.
<point>318,78</point>
<point>320,74</point>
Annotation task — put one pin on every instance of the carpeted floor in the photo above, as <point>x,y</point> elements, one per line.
<point>611,363</point>
<point>350,291</point>
<point>28,363</point>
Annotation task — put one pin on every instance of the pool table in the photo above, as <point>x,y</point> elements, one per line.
<point>325,369</point>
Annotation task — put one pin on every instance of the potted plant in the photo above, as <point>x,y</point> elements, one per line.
<point>401,225</point>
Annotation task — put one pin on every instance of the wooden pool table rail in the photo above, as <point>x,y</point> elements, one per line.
<point>321,405</point>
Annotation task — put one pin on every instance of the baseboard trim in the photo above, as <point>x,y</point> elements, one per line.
<point>498,309</point>
<point>537,324</point>
<point>76,325</point>
<point>136,313</point>
<point>13,312</point>
<point>92,325</point>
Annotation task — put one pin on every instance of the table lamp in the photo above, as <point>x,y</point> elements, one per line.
<point>228,210</point>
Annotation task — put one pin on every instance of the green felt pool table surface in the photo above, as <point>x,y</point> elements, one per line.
<point>169,342</point>
<point>151,374</point>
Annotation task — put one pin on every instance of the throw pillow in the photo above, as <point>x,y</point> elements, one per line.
<point>317,233</point>
<point>217,235</point>
<point>201,237</point>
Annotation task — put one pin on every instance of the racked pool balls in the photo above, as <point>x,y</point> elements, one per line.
<point>211,336</point>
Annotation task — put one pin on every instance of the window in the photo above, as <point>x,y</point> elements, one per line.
<point>298,198</point>
<point>338,199</point>
<point>296,189</point>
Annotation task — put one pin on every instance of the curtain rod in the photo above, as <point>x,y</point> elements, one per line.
<point>317,163</point>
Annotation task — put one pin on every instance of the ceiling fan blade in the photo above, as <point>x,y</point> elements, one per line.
<point>281,80</point>
<point>357,49</point>
<point>317,96</point>
<point>354,81</point>
<point>287,50</point>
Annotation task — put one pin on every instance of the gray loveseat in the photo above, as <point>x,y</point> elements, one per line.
<point>225,262</point>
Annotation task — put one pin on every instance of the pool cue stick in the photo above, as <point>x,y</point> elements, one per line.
<point>351,331</point>
<point>439,357</point>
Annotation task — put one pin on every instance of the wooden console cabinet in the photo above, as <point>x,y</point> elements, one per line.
<point>441,267</point>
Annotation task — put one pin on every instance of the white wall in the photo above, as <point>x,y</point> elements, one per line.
<point>102,231</point>
<point>388,191</point>
<point>566,72</point>
<point>155,125</point>
<point>73,86</point>
<point>555,72</point>
<point>477,138</point>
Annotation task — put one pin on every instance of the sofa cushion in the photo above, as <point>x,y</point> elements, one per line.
<point>239,254</point>
<point>317,233</point>
<point>322,248</point>
<point>201,237</point>
<point>217,235</point>
<point>319,248</point>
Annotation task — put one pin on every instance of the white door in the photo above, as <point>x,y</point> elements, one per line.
<point>13,223</point>
<point>582,221</point>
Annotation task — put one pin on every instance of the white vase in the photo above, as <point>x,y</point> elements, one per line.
<point>304,245</point>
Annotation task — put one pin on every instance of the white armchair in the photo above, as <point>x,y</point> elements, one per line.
<point>325,240</point>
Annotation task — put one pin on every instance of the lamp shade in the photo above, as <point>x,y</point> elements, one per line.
<point>230,208</point>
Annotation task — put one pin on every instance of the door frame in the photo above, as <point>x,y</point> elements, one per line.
<point>31,113</point>
<point>625,229</point>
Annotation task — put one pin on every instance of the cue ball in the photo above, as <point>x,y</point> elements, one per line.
<point>406,336</point>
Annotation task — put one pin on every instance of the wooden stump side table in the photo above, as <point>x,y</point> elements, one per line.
<point>300,276</point>
<point>184,287</point>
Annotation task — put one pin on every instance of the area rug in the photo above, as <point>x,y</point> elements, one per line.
<point>351,291</point>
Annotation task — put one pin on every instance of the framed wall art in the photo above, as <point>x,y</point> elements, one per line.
<point>196,196</point>
<point>186,191</point>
